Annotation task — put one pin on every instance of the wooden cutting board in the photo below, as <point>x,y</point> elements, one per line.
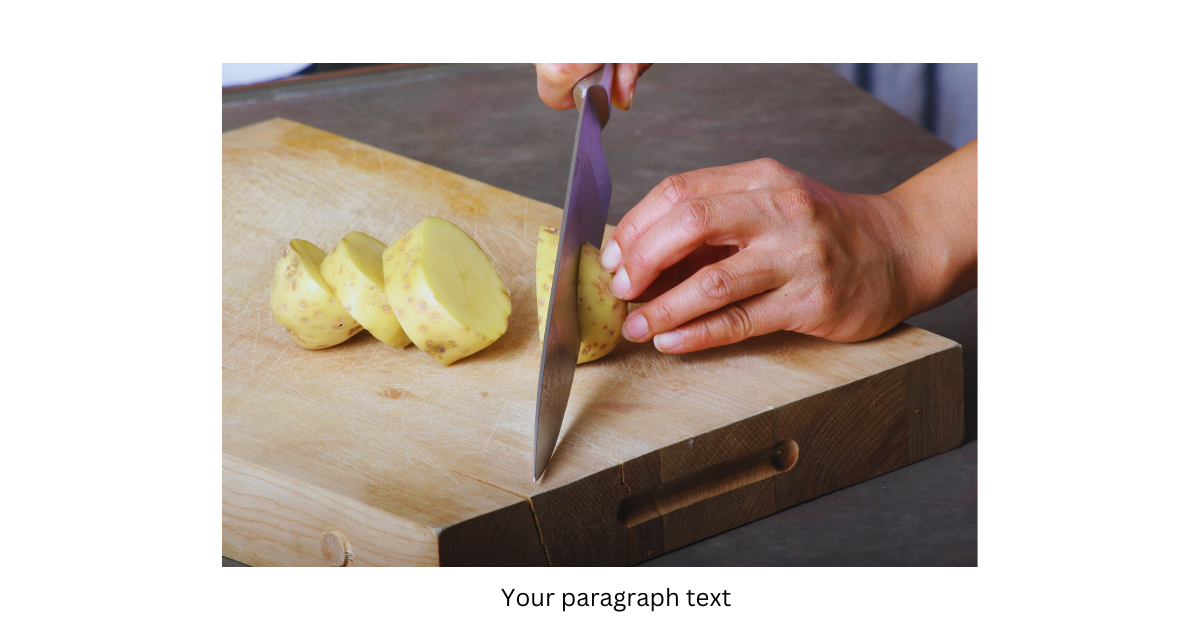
<point>362,454</point>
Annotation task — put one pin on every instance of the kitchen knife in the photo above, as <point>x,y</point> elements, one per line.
<point>589,189</point>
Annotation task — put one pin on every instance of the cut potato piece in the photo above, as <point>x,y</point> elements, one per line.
<point>354,270</point>
<point>547,254</point>
<point>304,303</point>
<point>601,314</point>
<point>446,293</point>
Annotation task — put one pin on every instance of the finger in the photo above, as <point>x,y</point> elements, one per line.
<point>758,315</point>
<point>670,277</point>
<point>666,195</point>
<point>557,80</point>
<point>741,276</point>
<point>624,83</point>
<point>730,220</point>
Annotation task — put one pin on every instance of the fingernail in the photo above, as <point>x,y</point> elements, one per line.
<point>621,284</point>
<point>635,328</point>
<point>667,341</point>
<point>631,91</point>
<point>611,256</point>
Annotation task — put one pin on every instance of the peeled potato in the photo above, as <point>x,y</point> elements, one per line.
<point>601,314</point>
<point>304,303</point>
<point>354,270</point>
<point>446,293</point>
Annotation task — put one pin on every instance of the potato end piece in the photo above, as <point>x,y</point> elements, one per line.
<point>302,302</point>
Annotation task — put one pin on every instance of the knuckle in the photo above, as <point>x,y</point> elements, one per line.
<point>794,200</point>
<point>716,283</point>
<point>675,188</point>
<point>703,334</point>
<point>629,228</point>
<point>708,332</point>
<point>737,319</point>
<point>660,315</point>
<point>769,166</point>
<point>696,216</point>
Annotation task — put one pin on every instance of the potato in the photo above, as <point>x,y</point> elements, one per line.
<point>600,313</point>
<point>543,273</point>
<point>304,304</point>
<point>446,293</point>
<point>354,270</point>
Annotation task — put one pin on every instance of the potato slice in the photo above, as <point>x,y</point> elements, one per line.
<point>601,314</point>
<point>543,273</point>
<point>304,304</point>
<point>354,270</point>
<point>446,293</point>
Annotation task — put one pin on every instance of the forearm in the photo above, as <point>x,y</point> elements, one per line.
<point>939,214</point>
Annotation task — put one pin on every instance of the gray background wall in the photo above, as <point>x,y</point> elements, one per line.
<point>942,97</point>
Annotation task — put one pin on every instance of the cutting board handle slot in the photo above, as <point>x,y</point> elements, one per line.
<point>710,482</point>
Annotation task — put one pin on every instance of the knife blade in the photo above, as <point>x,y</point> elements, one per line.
<point>589,190</point>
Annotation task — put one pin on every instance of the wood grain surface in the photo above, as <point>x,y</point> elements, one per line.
<point>395,459</point>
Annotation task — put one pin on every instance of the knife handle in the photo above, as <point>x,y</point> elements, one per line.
<point>602,77</point>
<point>708,483</point>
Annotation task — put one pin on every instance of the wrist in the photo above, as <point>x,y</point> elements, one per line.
<point>935,267</point>
<point>915,251</point>
<point>938,206</point>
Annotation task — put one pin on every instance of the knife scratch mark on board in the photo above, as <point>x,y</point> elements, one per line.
<point>499,418</point>
<point>286,385</point>
<point>254,346</point>
<point>590,447</point>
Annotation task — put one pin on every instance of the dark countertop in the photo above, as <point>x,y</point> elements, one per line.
<point>487,123</point>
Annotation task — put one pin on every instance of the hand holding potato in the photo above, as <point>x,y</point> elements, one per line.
<point>722,254</point>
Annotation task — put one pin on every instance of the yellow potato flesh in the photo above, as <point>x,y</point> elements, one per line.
<point>354,271</point>
<point>448,296</point>
<point>304,304</point>
<point>601,314</point>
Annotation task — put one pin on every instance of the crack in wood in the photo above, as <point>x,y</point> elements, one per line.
<point>628,530</point>
<point>537,525</point>
<point>517,494</point>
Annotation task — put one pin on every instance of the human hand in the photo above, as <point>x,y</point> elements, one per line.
<point>557,80</point>
<point>726,253</point>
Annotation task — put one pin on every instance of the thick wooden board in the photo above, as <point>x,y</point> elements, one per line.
<point>403,461</point>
